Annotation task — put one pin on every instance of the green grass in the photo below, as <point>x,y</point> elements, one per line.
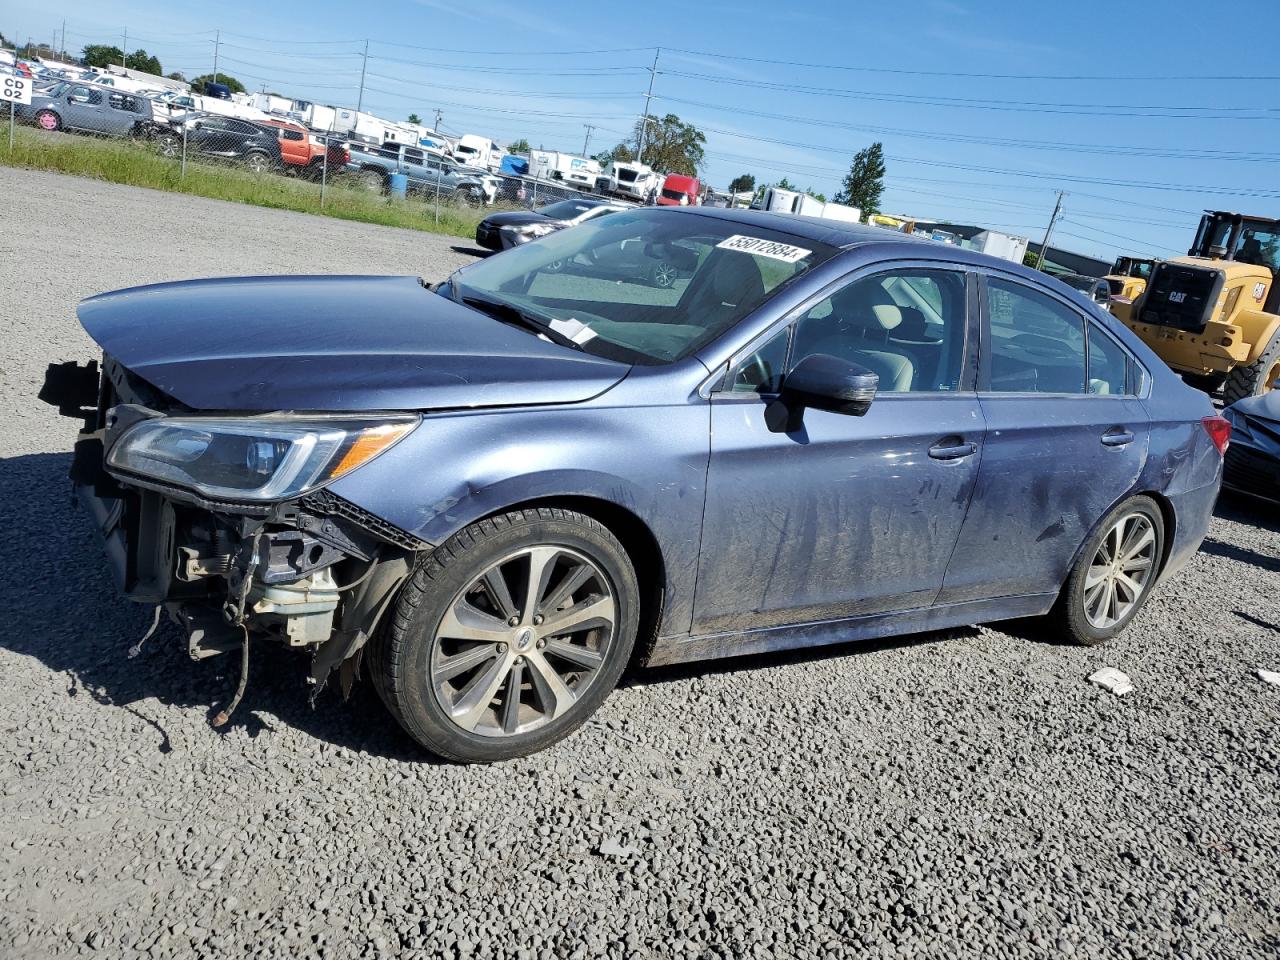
<point>138,165</point>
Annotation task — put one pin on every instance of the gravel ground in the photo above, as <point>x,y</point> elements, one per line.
<point>947,796</point>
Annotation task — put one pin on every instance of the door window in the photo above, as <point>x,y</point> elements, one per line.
<point>906,326</point>
<point>761,372</point>
<point>1037,344</point>
<point>1108,364</point>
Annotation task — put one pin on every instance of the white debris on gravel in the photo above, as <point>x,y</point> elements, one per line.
<point>1269,676</point>
<point>953,798</point>
<point>1109,678</point>
<point>613,847</point>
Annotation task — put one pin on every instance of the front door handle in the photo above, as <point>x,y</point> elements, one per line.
<point>952,448</point>
<point>1117,437</point>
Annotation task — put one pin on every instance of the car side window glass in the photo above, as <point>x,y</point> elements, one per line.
<point>906,326</point>
<point>761,372</point>
<point>1037,343</point>
<point>1108,364</point>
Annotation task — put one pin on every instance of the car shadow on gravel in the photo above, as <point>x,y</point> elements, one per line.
<point>60,607</point>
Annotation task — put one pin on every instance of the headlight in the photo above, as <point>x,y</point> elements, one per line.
<point>252,459</point>
<point>531,230</point>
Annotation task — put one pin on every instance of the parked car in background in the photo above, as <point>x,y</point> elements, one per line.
<point>1253,459</point>
<point>506,490</point>
<point>1094,289</point>
<point>679,191</point>
<point>501,231</point>
<point>88,108</point>
<point>425,170</point>
<point>303,153</point>
<point>223,138</point>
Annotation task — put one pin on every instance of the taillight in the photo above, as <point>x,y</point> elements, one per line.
<point>1219,431</point>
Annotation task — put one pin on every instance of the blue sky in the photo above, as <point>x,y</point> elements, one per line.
<point>984,109</point>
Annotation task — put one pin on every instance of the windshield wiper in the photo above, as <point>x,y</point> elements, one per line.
<point>505,312</point>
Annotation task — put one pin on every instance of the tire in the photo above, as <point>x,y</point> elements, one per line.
<point>466,198</point>
<point>258,162</point>
<point>663,274</point>
<point>372,180</point>
<point>454,694</point>
<point>1086,617</point>
<point>1261,376</point>
<point>48,120</point>
<point>168,145</point>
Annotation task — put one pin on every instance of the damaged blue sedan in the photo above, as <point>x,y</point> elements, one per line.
<point>498,493</point>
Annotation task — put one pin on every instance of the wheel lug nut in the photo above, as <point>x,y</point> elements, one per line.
<point>502,647</point>
<point>513,622</point>
<point>542,644</point>
<point>519,660</point>
<point>537,620</point>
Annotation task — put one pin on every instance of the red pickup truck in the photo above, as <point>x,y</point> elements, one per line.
<point>303,151</point>
<point>679,191</point>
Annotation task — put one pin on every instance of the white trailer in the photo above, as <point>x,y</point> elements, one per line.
<point>270,103</point>
<point>791,201</point>
<point>1003,245</point>
<point>473,150</point>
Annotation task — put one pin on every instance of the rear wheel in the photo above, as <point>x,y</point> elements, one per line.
<point>169,145</point>
<point>1115,574</point>
<point>258,162</point>
<point>48,120</point>
<point>371,180</point>
<point>1261,376</point>
<point>509,635</point>
<point>663,274</point>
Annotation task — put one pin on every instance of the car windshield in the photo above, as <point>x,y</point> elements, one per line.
<point>645,286</point>
<point>565,209</point>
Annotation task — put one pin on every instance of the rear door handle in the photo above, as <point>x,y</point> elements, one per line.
<point>952,448</point>
<point>1117,437</point>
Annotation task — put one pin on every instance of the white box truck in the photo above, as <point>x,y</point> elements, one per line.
<point>635,181</point>
<point>580,172</point>
<point>476,151</point>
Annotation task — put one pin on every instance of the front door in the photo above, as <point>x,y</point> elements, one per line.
<point>1066,439</point>
<point>845,515</point>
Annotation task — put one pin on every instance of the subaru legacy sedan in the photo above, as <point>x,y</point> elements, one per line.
<point>497,494</point>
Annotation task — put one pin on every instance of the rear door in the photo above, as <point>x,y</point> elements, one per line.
<point>1066,439</point>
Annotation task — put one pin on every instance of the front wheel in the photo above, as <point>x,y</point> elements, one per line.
<point>663,274</point>
<point>1261,376</point>
<point>48,120</point>
<point>1114,575</point>
<point>509,635</point>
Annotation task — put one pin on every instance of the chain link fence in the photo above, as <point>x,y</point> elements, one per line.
<point>87,128</point>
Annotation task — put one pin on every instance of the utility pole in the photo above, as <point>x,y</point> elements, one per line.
<point>1048,231</point>
<point>124,54</point>
<point>64,41</point>
<point>439,114</point>
<point>364,65</point>
<point>217,42</point>
<point>587,140</point>
<point>644,124</point>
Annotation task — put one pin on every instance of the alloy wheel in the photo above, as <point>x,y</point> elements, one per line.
<point>523,641</point>
<point>1121,571</point>
<point>664,274</point>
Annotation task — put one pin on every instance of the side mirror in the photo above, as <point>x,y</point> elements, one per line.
<point>828,383</point>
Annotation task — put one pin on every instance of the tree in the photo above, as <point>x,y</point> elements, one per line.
<point>785,184</point>
<point>671,145</point>
<point>822,197</point>
<point>232,83</point>
<point>864,183</point>
<point>622,153</point>
<point>414,118</point>
<point>520,146</point>
<point>101,55</point>
<point>742,183</point>
<point>138,60</point>
<point>177,76</point>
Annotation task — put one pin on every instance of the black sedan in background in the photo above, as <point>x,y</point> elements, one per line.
<point>212,136</point>
<point>1253,458</point>
<point>502,231</point>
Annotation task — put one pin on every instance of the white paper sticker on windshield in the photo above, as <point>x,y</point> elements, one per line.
<point>764,248</point>
<point>574,329</point>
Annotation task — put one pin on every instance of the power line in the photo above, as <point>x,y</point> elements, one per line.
<point>977,76</point>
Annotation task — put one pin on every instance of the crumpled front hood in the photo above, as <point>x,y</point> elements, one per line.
<point>1257,422</point>
<point>332,343</point>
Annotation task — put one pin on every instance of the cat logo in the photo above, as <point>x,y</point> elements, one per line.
<point>1177,297</point>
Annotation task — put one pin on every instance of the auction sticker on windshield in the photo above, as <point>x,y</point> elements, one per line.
<point>764,248</point>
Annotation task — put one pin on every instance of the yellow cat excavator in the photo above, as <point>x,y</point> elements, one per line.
<point>1214,315</point>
